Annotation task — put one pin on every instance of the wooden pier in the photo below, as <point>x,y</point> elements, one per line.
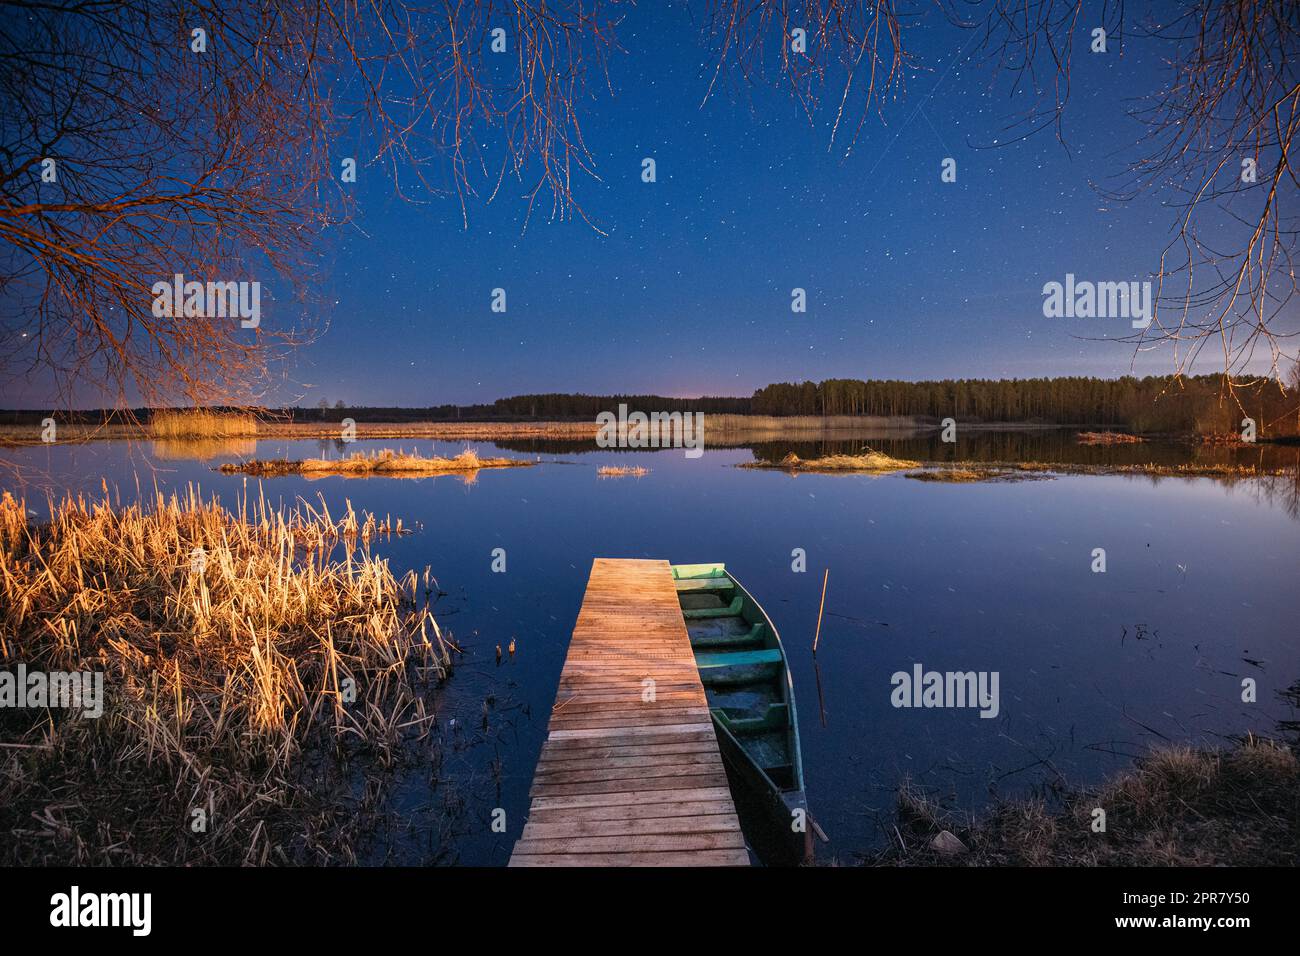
<point>630,774</point>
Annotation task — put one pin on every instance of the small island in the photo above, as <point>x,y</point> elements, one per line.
<point>869,461</point>
<point>385,463</point>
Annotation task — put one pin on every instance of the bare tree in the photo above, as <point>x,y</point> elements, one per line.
<point>128,158</point>
<point>149,138</point>
<point>1220,141</point>
<point>1216,149</point>
<point>850,47</point>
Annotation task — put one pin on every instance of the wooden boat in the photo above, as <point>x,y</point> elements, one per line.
<point>751,698</point>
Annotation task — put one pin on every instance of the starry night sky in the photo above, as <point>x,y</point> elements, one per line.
<point>907,276</point>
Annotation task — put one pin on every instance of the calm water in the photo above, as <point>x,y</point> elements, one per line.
<point>1200,591</point>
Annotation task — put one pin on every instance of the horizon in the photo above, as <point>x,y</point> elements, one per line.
<point>652,394</point>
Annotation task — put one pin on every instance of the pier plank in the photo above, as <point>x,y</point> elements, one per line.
<point>630,774</point>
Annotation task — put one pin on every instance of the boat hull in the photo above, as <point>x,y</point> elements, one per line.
<point>771,818</point>
<point>746,676</point>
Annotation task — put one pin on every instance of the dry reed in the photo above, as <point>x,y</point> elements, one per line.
<point>247,656</point>
<point>201,423</point>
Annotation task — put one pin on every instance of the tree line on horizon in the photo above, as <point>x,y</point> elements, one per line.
<point>578,405</point>
<point>1205,404</point>
<point>1156,403</point>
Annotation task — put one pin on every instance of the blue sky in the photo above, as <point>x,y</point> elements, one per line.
<point>906,276</point>
<point>689,292</point>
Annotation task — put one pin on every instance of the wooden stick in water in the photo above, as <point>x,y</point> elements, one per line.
<point>817,636</point>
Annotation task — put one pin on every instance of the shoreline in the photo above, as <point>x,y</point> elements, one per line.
<point>21,436</point>
<point>203,436</point>
<point>1177,806</point>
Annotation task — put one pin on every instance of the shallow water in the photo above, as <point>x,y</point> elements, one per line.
<point>1199,593</point>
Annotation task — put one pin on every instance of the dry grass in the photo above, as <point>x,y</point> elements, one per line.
<point>1109,438</point>
<point>384,463</point>
<point>1177,807</point>
<point>441,431</point>
<point>870,461</point>
<point>962,476</point>
<point>621,471</point>
<point>230,644</point>
<point>200,423</point>
<point>956,475</point>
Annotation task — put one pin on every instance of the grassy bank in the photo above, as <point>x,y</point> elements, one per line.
<point>19,435</point>
<point>202,424</point>
<point>1177,807</point>
<point>263,672</point>
<point>719,429</point>
<point>385,463</point>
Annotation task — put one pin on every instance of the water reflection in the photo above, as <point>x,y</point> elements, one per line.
<point>1052,445</point>
<point>1056,446</point>
<point>986,577</point>
<point>203,449</point>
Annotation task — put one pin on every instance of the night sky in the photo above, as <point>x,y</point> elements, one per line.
<point>907,276</point>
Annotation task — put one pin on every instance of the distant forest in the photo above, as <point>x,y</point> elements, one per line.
<point>1200,404</point>
<point>1204,404</point>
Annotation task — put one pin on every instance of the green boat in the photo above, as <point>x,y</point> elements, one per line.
<point>751,698</point>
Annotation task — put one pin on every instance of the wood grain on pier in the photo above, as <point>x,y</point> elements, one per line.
<point>630,774</point>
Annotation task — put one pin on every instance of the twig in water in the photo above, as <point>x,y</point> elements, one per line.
<point>817,636</point>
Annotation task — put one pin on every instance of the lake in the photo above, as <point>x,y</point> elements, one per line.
<point>1199,592</point>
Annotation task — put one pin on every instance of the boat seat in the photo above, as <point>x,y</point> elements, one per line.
<point>698,601</point>
<point>720,583</point>
<point>683,572</point>
<point>738,658</point>
<point>731,610</point>
<point>775,717</point>
<point>705,635</point>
